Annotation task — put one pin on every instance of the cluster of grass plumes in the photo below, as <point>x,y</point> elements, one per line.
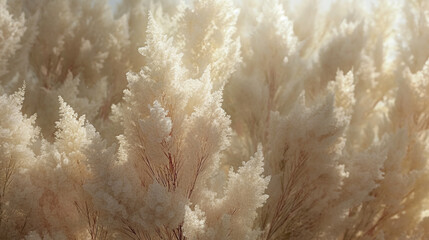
<point>214,119</point>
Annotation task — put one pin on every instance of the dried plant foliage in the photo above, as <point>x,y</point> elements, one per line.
<point>214,119</point>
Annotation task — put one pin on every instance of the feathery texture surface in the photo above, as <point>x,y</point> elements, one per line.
<point>214,119</point>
